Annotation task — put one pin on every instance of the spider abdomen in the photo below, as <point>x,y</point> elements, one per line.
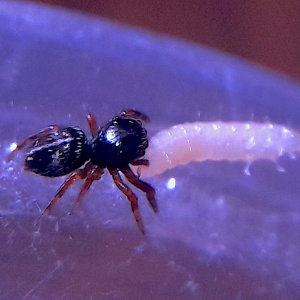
<point>59,153</point>
<point>121,141</point>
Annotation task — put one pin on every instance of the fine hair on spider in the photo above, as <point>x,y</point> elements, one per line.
<point>56,151</point>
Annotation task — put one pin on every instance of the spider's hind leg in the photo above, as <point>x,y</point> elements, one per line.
<point>31,140</point>
<point>78,174</point>
<point>95,174</point>
<point>145,187</point>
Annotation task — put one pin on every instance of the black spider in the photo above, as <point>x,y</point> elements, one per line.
<point>59,151</point>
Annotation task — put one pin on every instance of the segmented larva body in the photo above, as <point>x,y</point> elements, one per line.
<point>217,141</point>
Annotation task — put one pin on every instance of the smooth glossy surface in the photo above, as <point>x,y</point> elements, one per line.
<point>219,234</point>
<point>58,153</point>
<point>120,141</point>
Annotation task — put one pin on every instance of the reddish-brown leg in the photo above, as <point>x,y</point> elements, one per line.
<point>92,124</point>
<point>29,142</point>
<point>135,115</point>
<point>145,187</point>
<point>140,162</point>
<point>130,196</point>
<point>95,174</point>
<point>78,174</point>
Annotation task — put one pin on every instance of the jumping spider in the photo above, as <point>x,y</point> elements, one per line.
<point>56,151</point>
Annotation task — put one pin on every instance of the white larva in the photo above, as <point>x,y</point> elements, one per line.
<point>217,141</point>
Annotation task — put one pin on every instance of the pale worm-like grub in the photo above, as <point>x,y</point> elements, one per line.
<point>218,141</point>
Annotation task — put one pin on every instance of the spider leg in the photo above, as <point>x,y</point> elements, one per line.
<point>92,124</point>
<point>78,174</point>
<point>145,187</point>
<point>28,142</point>
<point>95,174</point>
<point>134,114</point>
<point>130,196</point>
<point>140,162</point>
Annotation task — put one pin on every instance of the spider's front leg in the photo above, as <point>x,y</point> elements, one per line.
<point>145,187</point>
<point>134,114</point>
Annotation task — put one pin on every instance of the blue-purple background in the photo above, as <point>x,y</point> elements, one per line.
<point>220,234</point>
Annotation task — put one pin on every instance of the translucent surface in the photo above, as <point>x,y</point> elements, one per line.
<point>219,233</point>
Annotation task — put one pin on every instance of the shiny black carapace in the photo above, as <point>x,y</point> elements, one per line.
<point>56,151</point>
